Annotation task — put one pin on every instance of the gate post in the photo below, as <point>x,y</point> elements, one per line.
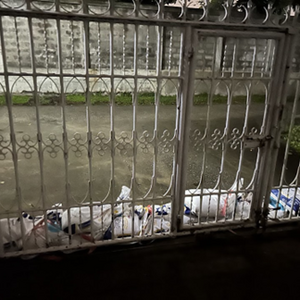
<point>277,116</point>
<point>262,188</point>
<point>185,104</point>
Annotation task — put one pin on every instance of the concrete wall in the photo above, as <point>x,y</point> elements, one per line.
<point>18,54</point>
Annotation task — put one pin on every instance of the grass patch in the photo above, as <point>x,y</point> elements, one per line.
<point>201,99</point>
<point>123,99</point>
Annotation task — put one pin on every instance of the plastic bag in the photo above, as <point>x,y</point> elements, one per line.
<point>11,229</point>
<point>287,196</point>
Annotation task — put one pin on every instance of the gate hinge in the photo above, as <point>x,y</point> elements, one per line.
<point>256,141</point>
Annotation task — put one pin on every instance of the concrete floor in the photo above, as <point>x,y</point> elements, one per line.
<point>219,266</point>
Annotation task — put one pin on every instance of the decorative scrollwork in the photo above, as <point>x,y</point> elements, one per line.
<point>253,131</point>
<point>124,144</point>
<point>197,138</point>
<point>235,141</point>
<point>165,141</point>
<point>145,141</point>
<point>52,145</point>
<point>4,147</point>
<point>27,146</point>
<point>212,11</point>
<point>43,5</point>
<point>74,7</point>
<point>216,140</point>
<point>150,13</point>
<point>78,145</point>
<point>102,143</point>
<point>17,4</point>
<point>126,11</point>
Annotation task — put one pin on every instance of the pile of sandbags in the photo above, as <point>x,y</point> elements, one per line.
<point>97,221</point>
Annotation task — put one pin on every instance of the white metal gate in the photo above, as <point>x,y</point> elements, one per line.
<point>221,201</point>
<point>145,117</point>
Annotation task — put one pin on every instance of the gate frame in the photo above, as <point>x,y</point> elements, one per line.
<point>263,182</point>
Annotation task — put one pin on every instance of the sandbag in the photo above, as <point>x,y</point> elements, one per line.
<point>11,229</point>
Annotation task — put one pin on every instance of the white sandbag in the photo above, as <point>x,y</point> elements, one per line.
<point>55,212</point>
<point>121,208</point>
<point>37,237</point>
<point>11,229</point>
<point>242,210</point>
<point>160,225</point>
<point>80,219</point>
<point>210,203</point>
<point>189,220</point>
<point>123,226</point>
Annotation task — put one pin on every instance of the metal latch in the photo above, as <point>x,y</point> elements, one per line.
<point>256,141</point>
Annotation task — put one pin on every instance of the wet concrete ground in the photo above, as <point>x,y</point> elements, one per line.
<point>77,167</point>
<point>222,266</point>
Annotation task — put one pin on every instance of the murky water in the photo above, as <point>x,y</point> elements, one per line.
<point>216,166</point>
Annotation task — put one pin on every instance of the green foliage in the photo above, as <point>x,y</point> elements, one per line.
<point>124,99</point>
<point>294,138</point>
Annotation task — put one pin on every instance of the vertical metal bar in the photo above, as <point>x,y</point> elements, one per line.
<point>147,50</point>
<point>286,153</point>
<point>124,49</point>
<point>39,132</point>
<point>245,127</point>
<point>262,185</point>
<point>46,46</point>
<point>289,45</point>
<point>242,149</point>
<point>88,114</point>
<point>254,59</point>
<point>224,149</point>
<point>157,103</point>
<point>134,122</point>
<point>64,127</point>
<point>170,52</point>
<point>186,101</point>
<point>234,57</point>
<point>18,45</point>
<point>57,5</point>
<point>72,47</point>
<point>112,121</point>
<point>207,129</point>
<point>226,129</point>
<point>99,48</point>
<point>8,99</point>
